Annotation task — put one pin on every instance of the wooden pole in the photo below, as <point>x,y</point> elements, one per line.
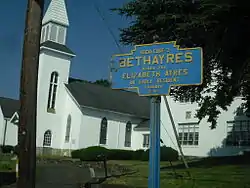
<point>28,95</point>
<point>176,135</point>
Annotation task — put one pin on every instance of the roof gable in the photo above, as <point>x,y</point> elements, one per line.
<point>9,106</point>
<point>58,47</point>
<point>96,96</point>
<point>56,12</point>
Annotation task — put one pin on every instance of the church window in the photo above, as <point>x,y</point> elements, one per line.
<point>46,33</point>
<point>68,127</point>
<point>47,138</point>
<point>188,114</point>
<point>103,131</point>
<point>128,134</point>
<point>145,141</point>
<point>52,91</point>
<point>53,33</point>
<point>61,35</point>
<point>43,35</point>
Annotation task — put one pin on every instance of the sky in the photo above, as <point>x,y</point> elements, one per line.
<point>88,37</point>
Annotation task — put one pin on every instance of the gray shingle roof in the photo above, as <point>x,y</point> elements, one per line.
<point>96,96</point>
<point>9,106</point>
<point>57,46</point>
<point>143,125</point>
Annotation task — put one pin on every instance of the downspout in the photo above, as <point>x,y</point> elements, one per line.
<point>5,131</point>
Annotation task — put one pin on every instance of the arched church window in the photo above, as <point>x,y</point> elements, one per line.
<point>43,34</point>
<point>47,138</point>
<point>128,134</point>
<point>103,131</point>
<point>52,91</point>
<point>68,127</point>
<point>46,33</point>
<point>53,33</point>
<point>61,35</point>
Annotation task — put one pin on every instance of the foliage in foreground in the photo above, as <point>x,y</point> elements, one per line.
<point>220,27</point>
<point>90,153</point>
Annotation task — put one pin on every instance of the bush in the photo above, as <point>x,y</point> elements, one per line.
<point>168,154</point>
<point>138,154</point>
<point>90,153</point>
<point>8,149</point>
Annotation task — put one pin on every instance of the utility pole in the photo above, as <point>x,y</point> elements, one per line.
<point>28,95</point>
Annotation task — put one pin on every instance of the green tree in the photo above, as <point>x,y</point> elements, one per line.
<point>103,82</point>
<point>220,27</point>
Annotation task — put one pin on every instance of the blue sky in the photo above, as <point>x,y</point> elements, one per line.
<point>88,37</point>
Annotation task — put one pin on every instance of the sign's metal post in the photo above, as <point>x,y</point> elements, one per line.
<point>154,156</point>
<point>151,70</point>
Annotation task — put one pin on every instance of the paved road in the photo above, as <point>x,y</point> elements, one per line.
<point>63,176</point>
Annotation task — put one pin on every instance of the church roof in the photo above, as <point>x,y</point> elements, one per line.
<point>96,96</point>
<point>9,106</point>
<point>100,97</point>
<point>57,46</point>
<point>56,12</point>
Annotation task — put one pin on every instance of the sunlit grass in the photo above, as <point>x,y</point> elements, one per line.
<point>213,176</point>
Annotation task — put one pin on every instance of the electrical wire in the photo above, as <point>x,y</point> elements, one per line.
<point>168,135</point>
<point>107,25</point>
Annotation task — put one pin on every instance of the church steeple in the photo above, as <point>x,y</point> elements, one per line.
<point>55,23</point>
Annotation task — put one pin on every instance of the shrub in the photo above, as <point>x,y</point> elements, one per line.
<point>75,154</point>
<point>116,154</point>
<point>145,155</point>
<point>138,154</point>
<point>7,149</point>
<point>91,153</point>
<point>168,154</point>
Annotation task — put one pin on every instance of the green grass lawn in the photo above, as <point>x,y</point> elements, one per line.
<point>226,172</point>
<point>229,172</point>
<point>6,164</point>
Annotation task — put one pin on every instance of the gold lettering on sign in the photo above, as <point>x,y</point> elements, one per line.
<point>156,59</point>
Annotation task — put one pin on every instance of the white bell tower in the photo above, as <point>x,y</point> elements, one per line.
<point>54,67</point>
<point>55,23</point>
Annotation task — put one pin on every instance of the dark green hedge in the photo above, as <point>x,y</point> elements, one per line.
<point>90,153</point>
<point>7,149</point>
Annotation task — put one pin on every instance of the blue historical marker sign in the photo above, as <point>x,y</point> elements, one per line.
<point>153,68</point>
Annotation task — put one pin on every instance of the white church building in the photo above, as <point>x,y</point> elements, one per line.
<point>73,114</point>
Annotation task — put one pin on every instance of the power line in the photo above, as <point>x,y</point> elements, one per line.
<point>107,25</point>
<point>168,135</point>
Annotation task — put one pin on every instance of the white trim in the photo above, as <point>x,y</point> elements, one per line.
<point>13,116</point>
<point>58,51</point>
<point>114,112</point>
<point>52,84</point>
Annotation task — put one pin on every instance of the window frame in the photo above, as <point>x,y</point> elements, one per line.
<point>188,134</point>
<point>68,129</point>
<point>47,138</point>
<point>146,140</point>
<point>188,115</point>
<point>239,132</point>
<point>128,134</point>
<point>103,131</point>
<point>53,89</point>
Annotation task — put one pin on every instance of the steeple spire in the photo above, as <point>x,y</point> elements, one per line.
<point>56,12</point>
<point>55,23</point>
